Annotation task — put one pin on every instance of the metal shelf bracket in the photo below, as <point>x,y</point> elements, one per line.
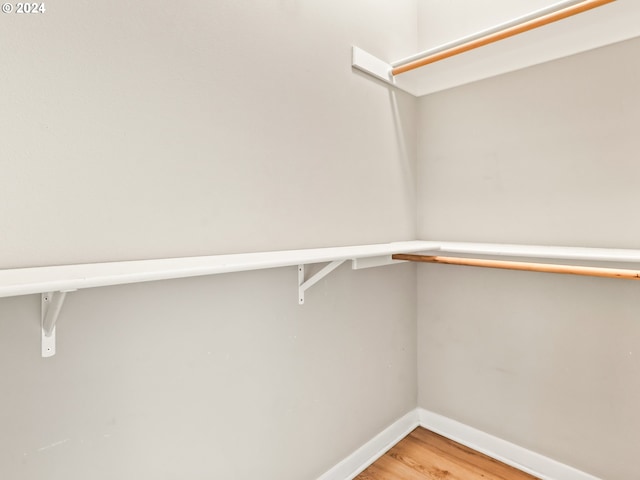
<point>51,305</point>
<point>304,285</point>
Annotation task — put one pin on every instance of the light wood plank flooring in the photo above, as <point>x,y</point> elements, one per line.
<point>424,455</point>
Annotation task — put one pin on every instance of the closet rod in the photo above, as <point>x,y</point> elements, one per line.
<point>494,36</point>
<point>525,266</point>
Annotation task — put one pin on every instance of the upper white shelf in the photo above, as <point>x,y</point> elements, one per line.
<point>605,25</point>
<point>23,281</point>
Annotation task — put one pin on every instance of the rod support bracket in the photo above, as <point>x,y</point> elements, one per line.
<point>51,304</point>
<point>367,63</point>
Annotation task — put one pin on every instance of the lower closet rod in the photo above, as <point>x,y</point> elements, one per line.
<point>526,266</point>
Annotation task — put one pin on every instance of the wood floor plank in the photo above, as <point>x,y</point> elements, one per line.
<point>463,455</point>
<point>387,468</point>
<point>433,466</point>
<point>424,455</point>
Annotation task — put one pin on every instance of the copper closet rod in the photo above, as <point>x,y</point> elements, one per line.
<point>501,35</point>
<point>526,266</point>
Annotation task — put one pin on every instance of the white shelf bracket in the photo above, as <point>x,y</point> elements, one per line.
<point>51,305</point>
<point>305,285</point>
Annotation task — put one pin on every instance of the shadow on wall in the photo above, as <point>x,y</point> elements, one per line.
<point>402,139</point>
<point>403,115</point>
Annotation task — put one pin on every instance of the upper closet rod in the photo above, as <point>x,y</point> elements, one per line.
<point>519,25</point>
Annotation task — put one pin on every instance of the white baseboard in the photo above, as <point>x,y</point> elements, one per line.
<point>537,465</point>
<point>506,452</point>
<point>354,464</point>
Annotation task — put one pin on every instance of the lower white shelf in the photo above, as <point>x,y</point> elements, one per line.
<point>54,282</point>
<point>24,281</point>
<point>622,255</point>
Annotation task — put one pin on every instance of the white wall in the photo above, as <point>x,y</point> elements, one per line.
<point>143,130</point>
<point>546,155</point>
<point>218,377</point>
<point>150,130</point>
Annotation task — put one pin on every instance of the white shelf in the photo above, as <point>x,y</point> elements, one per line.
<point>24,281</point>
<point>54,282</point>
<point>538,251</point>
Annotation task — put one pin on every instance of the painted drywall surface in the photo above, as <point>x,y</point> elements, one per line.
<point>216,377</point>
<point>147,130</point>
<point>546,155</point>
<point>152,130</point>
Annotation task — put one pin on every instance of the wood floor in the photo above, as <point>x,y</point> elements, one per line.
<point>424,455</point>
